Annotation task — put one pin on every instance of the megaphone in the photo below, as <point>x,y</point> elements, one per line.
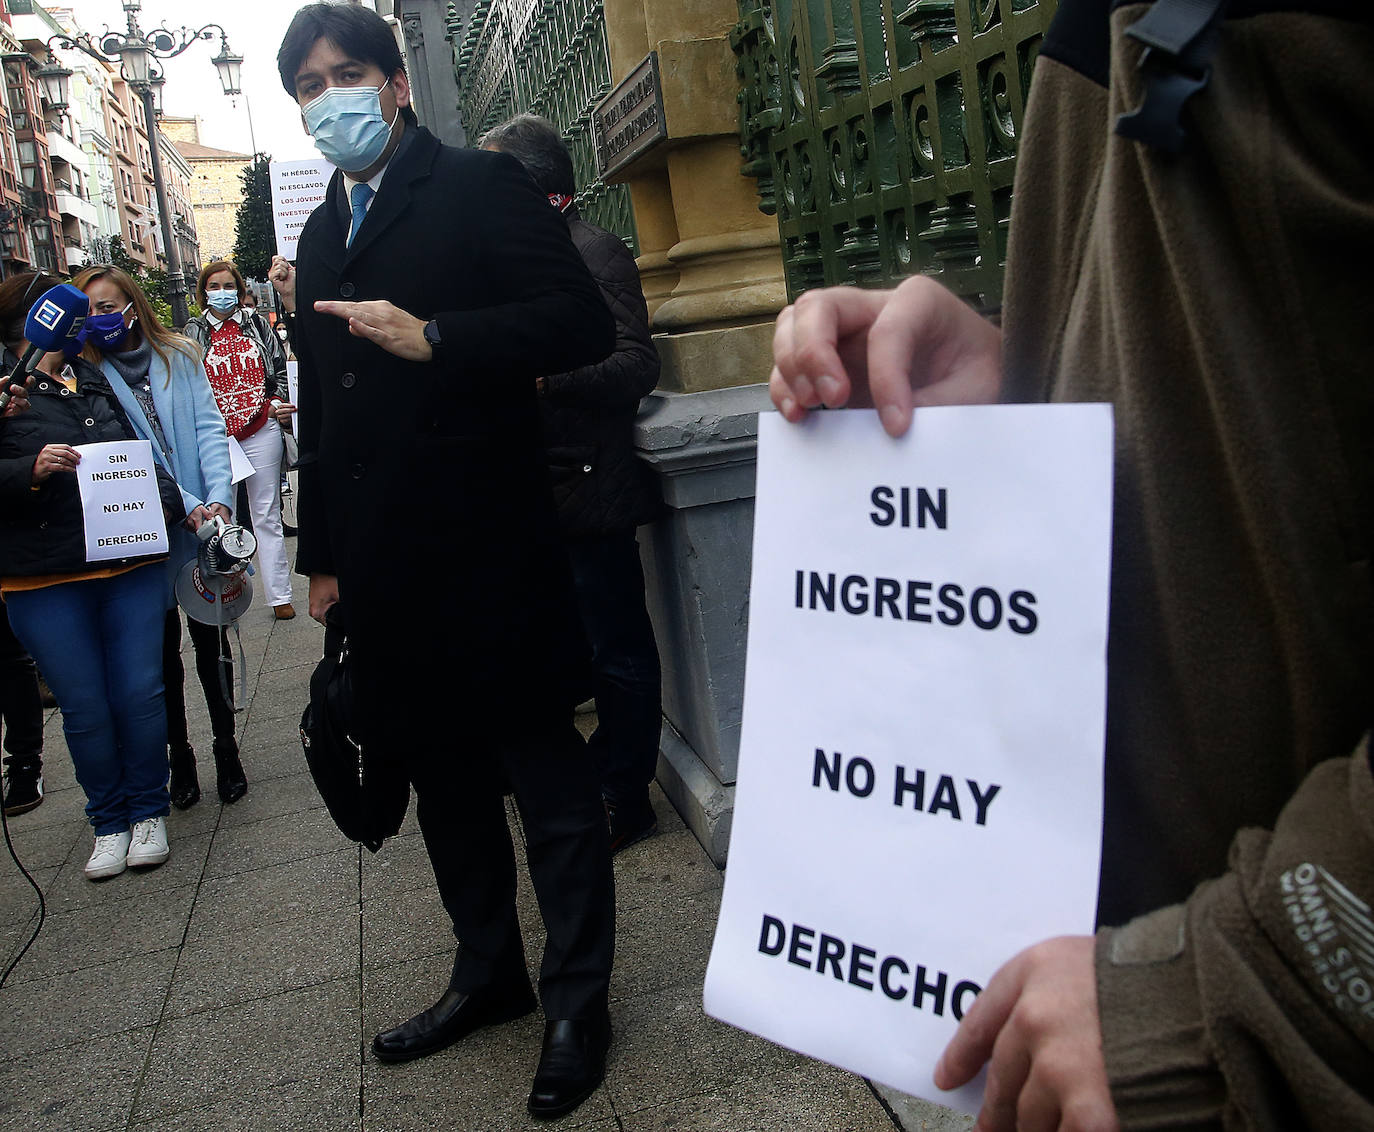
<point>215,587</point>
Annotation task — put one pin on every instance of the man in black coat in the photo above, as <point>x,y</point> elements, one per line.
<point>603,491</point>
<point>432,286</point>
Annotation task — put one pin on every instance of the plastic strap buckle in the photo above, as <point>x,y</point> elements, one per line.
<point>1179,36</point>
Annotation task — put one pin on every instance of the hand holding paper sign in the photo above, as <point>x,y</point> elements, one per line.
<point>54,458</point>
<point>1037,1024</point>
<point>917,345</point>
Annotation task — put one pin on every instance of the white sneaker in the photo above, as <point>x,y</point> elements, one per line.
<point>109,856</point>
<point>149,843</point>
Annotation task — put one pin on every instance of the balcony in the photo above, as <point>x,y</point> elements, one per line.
<point>33,202</point>
<point>69,204</point>
<point>62,148</point>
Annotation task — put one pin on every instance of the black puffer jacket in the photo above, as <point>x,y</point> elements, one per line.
<point>599,483</point>
<point>42,532</point>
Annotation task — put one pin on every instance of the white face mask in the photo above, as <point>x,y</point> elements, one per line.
<point>347,126</point>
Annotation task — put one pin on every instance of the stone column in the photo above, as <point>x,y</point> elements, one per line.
<point>712,271</point>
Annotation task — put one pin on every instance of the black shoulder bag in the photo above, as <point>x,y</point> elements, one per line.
<point>366,796</point>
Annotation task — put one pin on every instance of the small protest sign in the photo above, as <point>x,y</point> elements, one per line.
<point>293,391</point>
<point>119,501</point>
<point>297,189</point>
<point>920,779</point>
<point>240,467</point>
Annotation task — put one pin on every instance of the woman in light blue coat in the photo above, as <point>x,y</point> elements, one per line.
<point>160,381</point>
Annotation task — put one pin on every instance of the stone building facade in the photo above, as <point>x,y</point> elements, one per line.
<point>216,186</point>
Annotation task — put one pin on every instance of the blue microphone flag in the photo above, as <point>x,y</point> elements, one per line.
<point>57,317</point>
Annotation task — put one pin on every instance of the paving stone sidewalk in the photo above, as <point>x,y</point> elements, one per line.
<point>238,986</point>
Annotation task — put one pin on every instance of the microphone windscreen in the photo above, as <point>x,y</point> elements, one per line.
<point>57,317</point>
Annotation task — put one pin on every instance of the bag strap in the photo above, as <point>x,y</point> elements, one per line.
<point>1179,38</point>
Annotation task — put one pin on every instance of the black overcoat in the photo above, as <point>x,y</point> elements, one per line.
<point>424,487</point>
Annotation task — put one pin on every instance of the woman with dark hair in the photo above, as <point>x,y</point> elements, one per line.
<point>247,370</point>
<point>93,627</point>
<point>160,382</point>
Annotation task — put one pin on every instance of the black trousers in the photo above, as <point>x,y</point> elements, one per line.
<point>20,706</point>
<point>514,739</point>
<point>208,643</point>
<point>627,680</point>
<point>461,808</point>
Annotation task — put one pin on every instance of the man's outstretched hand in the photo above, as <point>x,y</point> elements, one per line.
<point>384,323</point>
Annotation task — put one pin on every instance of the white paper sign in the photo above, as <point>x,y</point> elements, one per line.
<point>297,188</point>
<point>293,391</point>
<point>920,778</point>
<point>240,467</point>
<point>119,500</point>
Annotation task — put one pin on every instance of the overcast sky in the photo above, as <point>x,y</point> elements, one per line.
<point>255,30</point>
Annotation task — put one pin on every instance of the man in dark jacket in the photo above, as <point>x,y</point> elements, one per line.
<point>433,285</point>
<point>603,493</point>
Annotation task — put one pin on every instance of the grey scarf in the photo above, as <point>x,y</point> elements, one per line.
<point>133,364</point>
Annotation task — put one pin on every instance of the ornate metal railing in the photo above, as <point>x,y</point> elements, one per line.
<point>883,133</point>
<point>548,57</point>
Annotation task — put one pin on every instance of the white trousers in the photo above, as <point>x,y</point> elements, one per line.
<point>263,450</point>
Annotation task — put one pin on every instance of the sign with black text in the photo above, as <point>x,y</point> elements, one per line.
<point>298,187</point>
<point>120,501</point>
<point>920,779</point>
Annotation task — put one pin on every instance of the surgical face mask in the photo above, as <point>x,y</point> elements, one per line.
<point>222,301</point>
<point>107,331</point>
<point>347,126</point>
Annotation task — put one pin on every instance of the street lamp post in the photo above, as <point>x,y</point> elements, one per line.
<point>136,52</point>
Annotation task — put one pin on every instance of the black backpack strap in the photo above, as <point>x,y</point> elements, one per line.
<point>1179,37</point>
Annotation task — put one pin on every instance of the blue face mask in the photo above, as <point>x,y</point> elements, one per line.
<point>106,331</point>
<point>222,301</point>
<point>347,126</point>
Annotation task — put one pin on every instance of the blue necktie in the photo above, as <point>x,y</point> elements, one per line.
<point>359,194</point>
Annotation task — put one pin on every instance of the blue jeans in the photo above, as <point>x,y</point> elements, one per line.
<point>99,645</point>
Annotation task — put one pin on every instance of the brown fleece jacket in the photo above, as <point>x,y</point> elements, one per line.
<point>1252,1006</point>
<point>1221,300</point>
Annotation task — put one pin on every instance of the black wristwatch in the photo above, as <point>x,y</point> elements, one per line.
<point>432,336</point>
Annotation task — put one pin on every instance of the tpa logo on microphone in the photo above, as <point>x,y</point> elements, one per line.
<point>47,314</point>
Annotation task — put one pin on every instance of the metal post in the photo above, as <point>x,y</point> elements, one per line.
<point>175,281</point>
<point>251,136</point>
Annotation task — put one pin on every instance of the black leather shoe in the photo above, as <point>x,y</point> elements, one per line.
<point>571,1065</point>
<point>184,785</point>
<point>451,1019</point>
<point>229,776</point>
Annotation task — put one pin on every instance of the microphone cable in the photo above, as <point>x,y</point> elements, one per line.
<point>42,904</point>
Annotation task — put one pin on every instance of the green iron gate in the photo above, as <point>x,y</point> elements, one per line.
<point>547,57</point>
<point>883,133</point>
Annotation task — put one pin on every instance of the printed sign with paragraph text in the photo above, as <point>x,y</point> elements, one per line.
<point>297,189</point>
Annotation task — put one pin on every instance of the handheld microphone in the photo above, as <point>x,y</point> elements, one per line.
<point>54,320</point>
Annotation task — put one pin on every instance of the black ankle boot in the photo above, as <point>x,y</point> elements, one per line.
<point>184,786</point>
<point>229,777</point>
